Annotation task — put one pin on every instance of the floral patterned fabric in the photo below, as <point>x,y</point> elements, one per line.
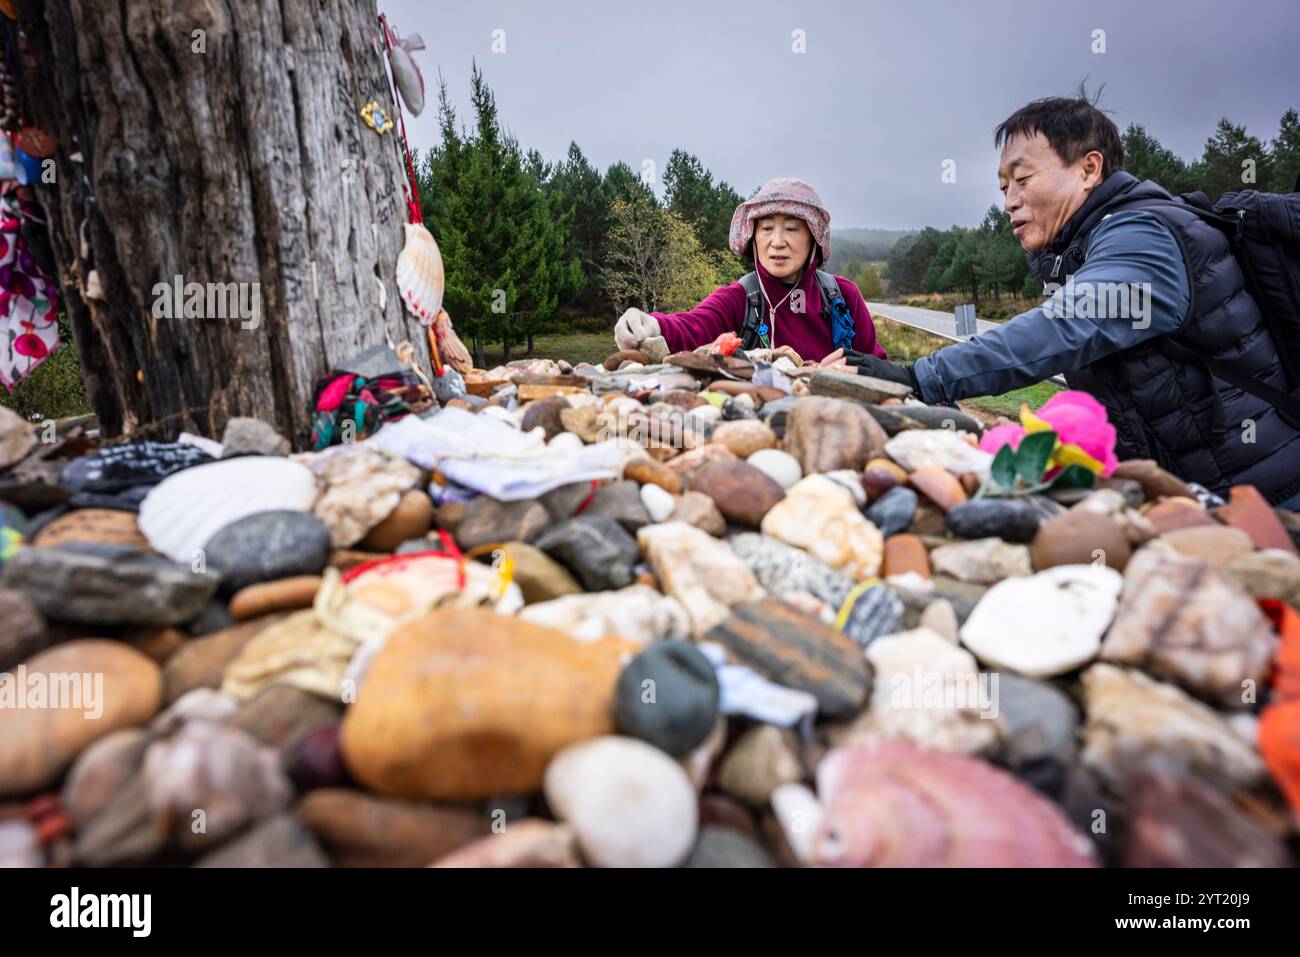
<point>29,327</point>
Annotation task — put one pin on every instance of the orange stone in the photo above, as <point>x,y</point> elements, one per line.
<point>939,486</point>
<point>92,525</point>
<point>650,472</point>
<point>286,594</point>
<point>1279,746</point>
<point>464,703</point>
<point>1170,514</point>
<point>764,393</point>
<point>1249,511</point>
<point>412,518</point>
<point>906,553</point>
<point>88,689</point>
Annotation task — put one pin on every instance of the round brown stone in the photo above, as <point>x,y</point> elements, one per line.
<point>465,703</point>
<point>412,518</point>
<point>1172,513</point>
<point>742,493</point>
<point>906,553</point>
<point>1080,538</point>
<point>649,472</point>
<point>939,486</point>
<point>286,594</point>
<point>66,698</point>
<point>625,355</point>
<point>744,437</point>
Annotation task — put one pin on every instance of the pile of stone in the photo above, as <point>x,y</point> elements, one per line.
<point>692,610</point>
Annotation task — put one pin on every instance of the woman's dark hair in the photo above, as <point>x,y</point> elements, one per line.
<point>1073,126</point>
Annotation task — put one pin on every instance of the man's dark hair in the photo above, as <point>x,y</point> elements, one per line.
<point>1073,126</point>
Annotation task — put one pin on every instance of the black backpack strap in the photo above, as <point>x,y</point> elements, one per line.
<point>830,291</point>
<point>1288,406</point>
<point>831,297</point>
<point>836,312</point>
<point>748,331</point>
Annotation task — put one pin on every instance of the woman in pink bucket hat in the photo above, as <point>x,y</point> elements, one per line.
<point>784,231</point>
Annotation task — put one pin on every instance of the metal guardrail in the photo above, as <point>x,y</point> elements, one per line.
<point>1055,380</point>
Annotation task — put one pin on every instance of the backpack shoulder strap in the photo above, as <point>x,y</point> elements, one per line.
<point>830,290</point>
<point>836,311</point>
<point>752,319</point>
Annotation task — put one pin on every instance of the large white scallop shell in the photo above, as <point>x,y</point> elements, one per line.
<point>184,510</point>
<point>420,278</point>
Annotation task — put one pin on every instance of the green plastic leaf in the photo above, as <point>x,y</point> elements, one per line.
<point>1003,469</point>
<point>1031,459</point>
<point>1074,476</point>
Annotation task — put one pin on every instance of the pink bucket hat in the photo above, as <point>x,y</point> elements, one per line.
<point>786,195</point>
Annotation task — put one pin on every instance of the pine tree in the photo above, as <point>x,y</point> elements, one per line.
<point>1145,158</point>
<point>539,270</point>
<point>502,240</point>
<point>1233,160</point>
<point>576,186</point>
<point>1284,156</point>
<point>690,192</point>
<point>622,183</point>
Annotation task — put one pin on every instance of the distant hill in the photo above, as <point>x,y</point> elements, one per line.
<point>863,245</point>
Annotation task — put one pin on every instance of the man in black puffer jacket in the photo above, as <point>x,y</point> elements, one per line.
<point>1137,281</point>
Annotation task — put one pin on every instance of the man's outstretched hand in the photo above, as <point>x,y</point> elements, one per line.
<point>867,364</point>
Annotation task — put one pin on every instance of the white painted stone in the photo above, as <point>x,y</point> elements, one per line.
<point>630,803</point>
<point>1045,624</point>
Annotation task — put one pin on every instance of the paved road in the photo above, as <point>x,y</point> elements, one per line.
<point>940,323</point>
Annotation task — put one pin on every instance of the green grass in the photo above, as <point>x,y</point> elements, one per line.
<point>1009,404</point>
<point>574,347</point>
<point>905,344</point>
<point>994,310</point>
<point>55,389</point>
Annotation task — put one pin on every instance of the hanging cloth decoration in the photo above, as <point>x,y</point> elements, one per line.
<point>29,325</point>
<point>412,188</point>
<point>410,81</point>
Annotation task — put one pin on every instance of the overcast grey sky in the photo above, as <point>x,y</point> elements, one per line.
<point>884,93</point>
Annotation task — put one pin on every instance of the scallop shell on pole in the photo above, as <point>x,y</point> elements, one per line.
<point>420,278</point>
<point>891,804</point>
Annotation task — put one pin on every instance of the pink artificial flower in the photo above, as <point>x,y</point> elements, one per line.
<point>1006,434</point>
<point>1079,419</point>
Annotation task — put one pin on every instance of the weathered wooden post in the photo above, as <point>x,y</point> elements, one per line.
<point>222,144</point>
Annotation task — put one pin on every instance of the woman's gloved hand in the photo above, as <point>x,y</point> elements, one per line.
<point>633,328</point>
<point>882,369</point>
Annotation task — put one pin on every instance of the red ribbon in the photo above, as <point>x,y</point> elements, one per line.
<point>582,506</point>
<point>412,190</point>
